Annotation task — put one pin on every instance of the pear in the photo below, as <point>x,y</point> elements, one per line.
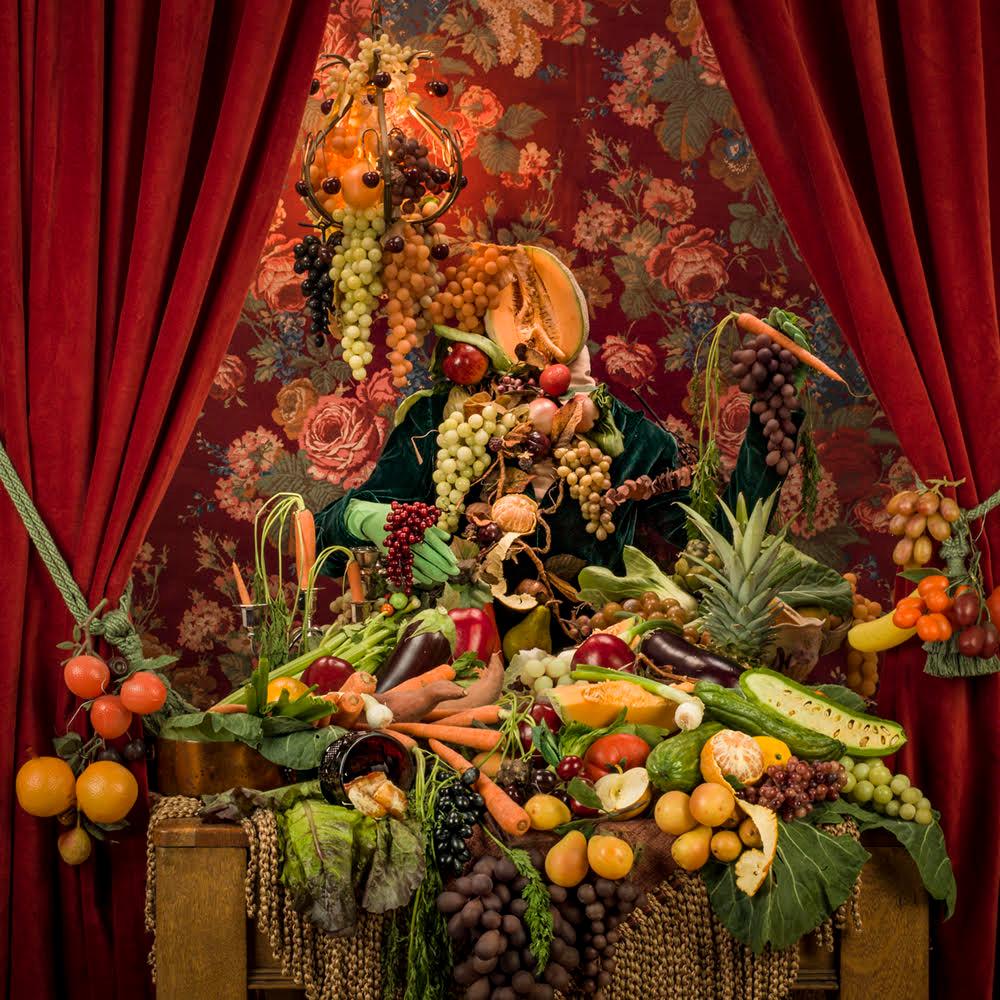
<point>532,632</point>
<point>690,850</point>
<point>566,863</point>
<point>74,846</point>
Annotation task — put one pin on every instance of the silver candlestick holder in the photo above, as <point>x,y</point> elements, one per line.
<point>251,619</point>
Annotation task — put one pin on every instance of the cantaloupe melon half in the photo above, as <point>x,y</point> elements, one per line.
<point>542,306</point>
<point>599,704</point>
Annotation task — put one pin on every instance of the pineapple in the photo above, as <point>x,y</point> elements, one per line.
<point>738,606</point>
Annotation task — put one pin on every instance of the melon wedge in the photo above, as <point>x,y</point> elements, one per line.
<point>598,705</point>
<point>541,307</point>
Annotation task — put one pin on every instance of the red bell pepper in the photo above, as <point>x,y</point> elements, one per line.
<point>475,630</point>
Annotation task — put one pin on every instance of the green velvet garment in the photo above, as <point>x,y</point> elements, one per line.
<point>404,473</point>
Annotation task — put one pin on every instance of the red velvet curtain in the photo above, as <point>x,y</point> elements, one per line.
<point>145,144</point>
<point>873,122</point>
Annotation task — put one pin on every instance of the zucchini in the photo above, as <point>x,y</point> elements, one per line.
<point>737,712</point>
<point>863,735</point>
<point>675,764</point>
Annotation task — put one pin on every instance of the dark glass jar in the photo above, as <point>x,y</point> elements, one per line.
<point>359,753</point>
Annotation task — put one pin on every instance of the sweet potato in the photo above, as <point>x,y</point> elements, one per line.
<point>413,705</point>
<point>485,690</point>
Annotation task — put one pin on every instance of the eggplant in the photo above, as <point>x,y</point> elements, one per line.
<point>416,653</point>
<point>667,649</point>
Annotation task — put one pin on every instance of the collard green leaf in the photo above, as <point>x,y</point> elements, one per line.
<point>301,750</point>
<point>925,844</point>
<point>207,726</point>
<point>397,866</point>
<point>813,873</point>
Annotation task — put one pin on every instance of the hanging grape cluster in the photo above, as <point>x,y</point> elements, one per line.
<point>766,371</point>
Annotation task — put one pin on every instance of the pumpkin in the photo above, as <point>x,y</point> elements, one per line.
<point>597,705</point>
<point>541,307</point>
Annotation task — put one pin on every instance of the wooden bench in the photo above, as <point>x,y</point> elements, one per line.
<point>207,950</point>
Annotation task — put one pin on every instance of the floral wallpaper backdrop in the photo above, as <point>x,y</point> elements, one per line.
<point>600,128</point>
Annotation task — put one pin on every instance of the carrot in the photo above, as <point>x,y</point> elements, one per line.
<point>228,709</point>
<point>510,817</point>
<point>359,683</point>
<point>485,713</point>
<point>750,323</point>
<point>241,587</point>
<point>355,583</point>
<point>305,544</point>
<point>408,741</point>
<point>443,672</point>
<point>348,708</point>
<point>478,739</point>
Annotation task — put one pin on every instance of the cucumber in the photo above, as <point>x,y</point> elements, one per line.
<point>737,712</point>
<point>863,735</point>
<point>675,763</point>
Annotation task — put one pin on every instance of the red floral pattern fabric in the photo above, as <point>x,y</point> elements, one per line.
<point>604,130</point>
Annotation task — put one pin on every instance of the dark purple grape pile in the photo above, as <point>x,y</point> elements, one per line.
<point>413,172</point>
<point>459,808</point>
<point>313,258</point>
<point>766,371</point>
<point>586,932</point>
<point>405,524</point>
<point>790,789</point>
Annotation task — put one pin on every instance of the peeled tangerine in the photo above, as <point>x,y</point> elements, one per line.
<point>566,862</point>
<point>753,865</point>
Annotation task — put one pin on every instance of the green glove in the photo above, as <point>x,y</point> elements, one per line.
<point>433,560</point>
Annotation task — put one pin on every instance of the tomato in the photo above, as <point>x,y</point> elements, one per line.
<point>143,693</point>
<point>86,676</point>
<point>934,628</point>
<point>929,583</point>
<point>993,606</point>
<point>109,717</point>
<point>906,616</point>
<point>617,752</point>
<point>937,600</point>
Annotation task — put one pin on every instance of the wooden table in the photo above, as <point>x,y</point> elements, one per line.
<point>207,950</point>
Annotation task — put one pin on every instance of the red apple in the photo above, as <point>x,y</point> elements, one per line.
<point>465,365</point>
<point>328,673</point>
<point>541,412</point>
<point>555,379</point>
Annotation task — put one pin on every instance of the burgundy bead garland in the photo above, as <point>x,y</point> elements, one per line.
<point>406,525</point>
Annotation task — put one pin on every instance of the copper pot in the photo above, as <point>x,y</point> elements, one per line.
<point>205,767</point>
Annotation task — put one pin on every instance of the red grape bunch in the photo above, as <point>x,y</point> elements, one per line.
<point>790,789</point>
<point>414,174</point>
<point>405,525</point>
<point>312,258</point>
<point>766,372</point>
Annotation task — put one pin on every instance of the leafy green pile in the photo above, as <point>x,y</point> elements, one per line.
<point>284,741</point>
<point>336,861</point>
<point>598,585</point>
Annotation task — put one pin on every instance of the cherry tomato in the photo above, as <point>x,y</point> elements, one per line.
<point>937,600</point>
<point>929,583</point>
<point>617,752</point>
<point>933,628</point>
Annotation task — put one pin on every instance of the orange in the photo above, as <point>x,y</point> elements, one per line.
<point>734,754</point>
<point>106,791</point>
<point>45,786</point>
<point>292,685</point>
<point>775,752</point>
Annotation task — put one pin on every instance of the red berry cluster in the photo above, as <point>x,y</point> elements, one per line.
<point>791,789</point>
<point>405,525</point>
